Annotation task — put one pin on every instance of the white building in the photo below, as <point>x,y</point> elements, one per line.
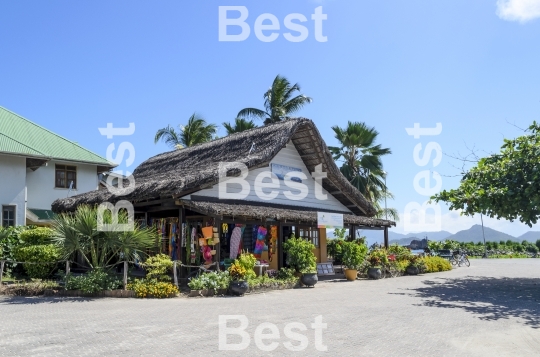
<point>38,167</point>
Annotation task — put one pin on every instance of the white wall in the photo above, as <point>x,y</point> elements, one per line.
<point>288,156</point>
<point>40,184</point>
<point>12,185</point>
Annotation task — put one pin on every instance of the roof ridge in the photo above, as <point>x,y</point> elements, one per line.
<point>51,132</point>
<point>31,148</point>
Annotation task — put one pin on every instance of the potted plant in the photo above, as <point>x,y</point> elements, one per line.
<point>238,285</point>
<point>353,255</point>
<point>416,265</point>
<point>377,259</point>
<point>300,257</point>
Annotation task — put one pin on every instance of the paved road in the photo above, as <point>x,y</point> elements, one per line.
<point>489,309</point>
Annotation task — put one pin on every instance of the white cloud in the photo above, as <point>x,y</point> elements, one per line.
<point>518,10</point>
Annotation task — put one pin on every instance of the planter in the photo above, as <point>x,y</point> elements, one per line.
<point>374,273</point>
<point>351,274</point>
<point>238,288</point>
<point>195,293</point>
<point>309,279</point>
<point>412,270</point>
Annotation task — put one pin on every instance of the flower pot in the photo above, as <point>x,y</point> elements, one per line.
<point>351,274</point>
<point>238,288</point>
<point>374,273</point>
<point>309,279</point>
<point>412,270</point>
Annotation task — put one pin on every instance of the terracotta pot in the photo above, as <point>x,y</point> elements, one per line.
<point>351,274</point>
<point>238,288</point>
<point>374,273</point>
<point>309,279</point>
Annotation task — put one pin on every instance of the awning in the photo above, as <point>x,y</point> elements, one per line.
<point>39,217</point>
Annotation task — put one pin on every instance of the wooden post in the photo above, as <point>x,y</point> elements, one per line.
<point>175,274</point>
<point>125,274</point>
<point>386,237</point>
<point>1,270</point>
<point>68,268</point>
<point>217,222</point>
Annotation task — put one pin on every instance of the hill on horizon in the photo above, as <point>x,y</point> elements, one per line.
<point>474,234</point>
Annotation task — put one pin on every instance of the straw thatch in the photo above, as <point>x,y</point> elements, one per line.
<point>263,213</point>
<point>177,173</point>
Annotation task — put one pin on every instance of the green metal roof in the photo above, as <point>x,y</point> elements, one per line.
<point>42,214</point>
<point>20,136</point>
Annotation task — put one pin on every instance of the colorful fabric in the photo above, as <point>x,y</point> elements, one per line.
<point>236,238</point>
<point>260,245</point>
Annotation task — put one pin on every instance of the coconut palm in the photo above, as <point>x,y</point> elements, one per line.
<point>279,102</point>
<point>195,132</point>
<point>240,125</point>
<point>361,162</point>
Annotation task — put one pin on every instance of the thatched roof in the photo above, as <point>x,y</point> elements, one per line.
<point>263,213</point>
<point>180,172</point>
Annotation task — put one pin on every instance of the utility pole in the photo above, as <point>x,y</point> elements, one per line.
<point>485,248</point>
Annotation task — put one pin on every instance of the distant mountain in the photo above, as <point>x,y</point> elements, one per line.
<point>474,234</point>
<point>402,239</point>
<point>531,236</point>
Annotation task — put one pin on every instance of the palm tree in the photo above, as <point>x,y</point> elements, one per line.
<point>195,132</point>
<point>279,102</point>
<point>361,162</point>
<point>240,125</point>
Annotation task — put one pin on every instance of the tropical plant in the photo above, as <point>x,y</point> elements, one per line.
<point>237,272</point>
<point>353,254</point>
<point>436,264</point>
<point>247,261</point>
<point>240,124</point>
<point>362,164</point>
<point>300,255</point>
<point>334,249</point>
<point>144,288</point>
<point>78,232</point>
<point>213,280</point>
<point>378,257</point>
<point>196,131</point>
<point>280,102</point>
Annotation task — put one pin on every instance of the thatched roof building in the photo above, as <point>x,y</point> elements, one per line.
<point>178,173</point>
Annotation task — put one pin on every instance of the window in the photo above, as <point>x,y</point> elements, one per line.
<point>310,234</point>
<point>8,216</point>
<point>65,175</point>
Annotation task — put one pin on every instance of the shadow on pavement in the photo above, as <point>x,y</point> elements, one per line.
<point>487,298</point>
<point>34,300</point>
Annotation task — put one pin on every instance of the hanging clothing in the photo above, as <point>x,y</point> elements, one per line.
<point>236,238</point>
<point>260,246</point>
<point>193,237</point>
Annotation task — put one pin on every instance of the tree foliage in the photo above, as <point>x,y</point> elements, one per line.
<point>280,101</point>
<point>240,124</point>
<point>196,131</point>
<point>504,185</point>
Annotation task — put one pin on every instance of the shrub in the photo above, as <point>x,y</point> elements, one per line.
<point>152,288</point>
<point>44,258</point>
<point>436,264</point>
<point>212,280</point>
<point>353,254</point>
<point>36,236</point>
<point>378,257</point>
<point>247,261</point>
<point>158,267</point>
<point>9,241</point>
<point>300,255</point>
<point>95,281</point>
<point>334,249</point>
<point>237,272</point>
<point>286,274</point>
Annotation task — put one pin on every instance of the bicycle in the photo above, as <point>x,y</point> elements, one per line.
<point>460,259</point>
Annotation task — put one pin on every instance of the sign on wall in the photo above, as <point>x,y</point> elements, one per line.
<point>281,170</point>
<point>329,220</point>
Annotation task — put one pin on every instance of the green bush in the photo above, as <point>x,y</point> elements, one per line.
<point>152,288</point>
<point>36,236</point>
<point>40,258</point>
<point>436,264</point>
<point>286,274</point>
<point>212,280</point>
<point>95,281</point>
<point>9,241</point>
<point>334,249</point>
<point>300,255</point>
<point>353,254</point>
<point>158,267</point>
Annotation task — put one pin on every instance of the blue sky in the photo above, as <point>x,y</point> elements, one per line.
<point>472,66</point>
